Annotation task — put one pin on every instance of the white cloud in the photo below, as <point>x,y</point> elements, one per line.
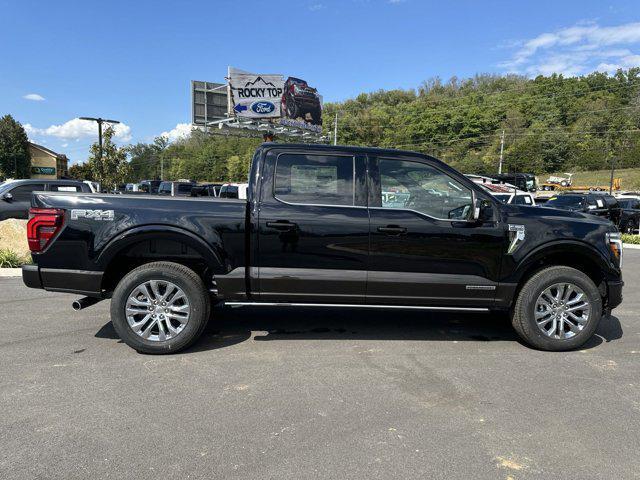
<point>181,130</point>
<point>34,97</point>
<point>77,129</point>
<point>576,50</point>
<point>315,7</point>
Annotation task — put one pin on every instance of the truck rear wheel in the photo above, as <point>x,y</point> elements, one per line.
<point>160,307</point>
<point>558,308</point>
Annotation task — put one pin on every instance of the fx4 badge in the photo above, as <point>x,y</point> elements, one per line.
<point>516,235</point>
<point>100,215</point>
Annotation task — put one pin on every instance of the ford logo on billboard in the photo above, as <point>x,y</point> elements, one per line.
<point>263,107</point>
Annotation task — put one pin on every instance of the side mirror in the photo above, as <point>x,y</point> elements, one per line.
<point>482,210</point>
<point>7,197</point>
<point>477,208</point>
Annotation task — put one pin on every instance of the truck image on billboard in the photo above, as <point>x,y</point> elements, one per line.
<point>291,102</point>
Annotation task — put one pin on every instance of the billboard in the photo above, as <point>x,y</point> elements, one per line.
<point>291,102</point>
<point>208,102</point>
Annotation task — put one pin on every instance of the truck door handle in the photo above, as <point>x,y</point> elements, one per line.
<point>392,230</point>
<point>282,225</point>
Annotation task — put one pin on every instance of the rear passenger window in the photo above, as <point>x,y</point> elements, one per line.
<point>314,179</point>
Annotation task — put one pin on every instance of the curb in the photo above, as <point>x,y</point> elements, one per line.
<point>631,246</point>
<point>10,272</point>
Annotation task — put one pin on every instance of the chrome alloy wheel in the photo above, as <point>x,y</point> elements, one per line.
<point>157,310</point>
<point>562,310</point>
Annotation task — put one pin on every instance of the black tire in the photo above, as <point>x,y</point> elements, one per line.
<point>183,277</point>
<point>293,111</point>
<point>316,113</point>
<point>523,319</point>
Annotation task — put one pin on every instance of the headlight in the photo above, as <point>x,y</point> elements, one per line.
<point>614,239</point>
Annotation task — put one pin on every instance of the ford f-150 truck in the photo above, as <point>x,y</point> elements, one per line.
<point>327,226</point>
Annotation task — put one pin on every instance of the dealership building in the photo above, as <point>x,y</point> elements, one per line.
<point>46,163</point>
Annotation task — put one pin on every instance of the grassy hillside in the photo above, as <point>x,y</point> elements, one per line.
<point>630,177</point>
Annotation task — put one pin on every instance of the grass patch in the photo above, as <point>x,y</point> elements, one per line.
<point>630,178</point>
<point>634,239</point>
<point>10,259</point>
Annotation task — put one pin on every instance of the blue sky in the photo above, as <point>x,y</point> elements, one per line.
<point>133,60</point>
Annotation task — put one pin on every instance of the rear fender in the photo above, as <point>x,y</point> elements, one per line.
<point>211,253</point>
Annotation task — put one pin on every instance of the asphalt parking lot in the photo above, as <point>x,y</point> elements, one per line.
<point>315,394</point>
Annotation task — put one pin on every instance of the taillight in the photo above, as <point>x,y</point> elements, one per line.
<point>43,225</point>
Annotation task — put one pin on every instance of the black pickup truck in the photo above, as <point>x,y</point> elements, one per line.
<point>327,226</point>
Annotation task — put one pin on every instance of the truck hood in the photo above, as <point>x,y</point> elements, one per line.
<point>554,215</point>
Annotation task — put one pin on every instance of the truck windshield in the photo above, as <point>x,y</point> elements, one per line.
<point>565,201</point>
<point>503,197</point>
<point>5,186</point>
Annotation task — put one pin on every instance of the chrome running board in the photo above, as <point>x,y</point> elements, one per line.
<point>349,305</point>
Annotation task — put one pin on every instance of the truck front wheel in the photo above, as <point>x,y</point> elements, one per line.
<point>160,307</point>
<point>558,308</point>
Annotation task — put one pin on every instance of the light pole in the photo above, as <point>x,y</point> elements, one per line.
<point>100,121</point>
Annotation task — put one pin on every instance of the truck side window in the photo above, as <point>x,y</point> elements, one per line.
<point>23,193</point>
<point>314,179</point>
<point>418,186</point>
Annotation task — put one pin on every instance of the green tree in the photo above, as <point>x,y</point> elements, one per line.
<point>81,171</point>
<point>147,158</point>
<point>15,160</point>
<point>112,168</point>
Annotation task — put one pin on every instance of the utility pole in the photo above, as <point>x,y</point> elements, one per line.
<point>613,163</point>
<point>501,151</point>
<point>613,167</point>
<point>335,130</point>
<point>161,167</point>
<point>99,121</point>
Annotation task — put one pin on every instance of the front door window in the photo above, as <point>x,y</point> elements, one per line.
<point>425,189</point>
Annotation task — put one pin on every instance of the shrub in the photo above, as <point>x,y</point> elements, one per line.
<point>10,259</point>
<point>634,239</point>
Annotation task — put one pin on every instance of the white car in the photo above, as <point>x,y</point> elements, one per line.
<point>510,194</point>
<point>234,190</point>
<point>517,198</point>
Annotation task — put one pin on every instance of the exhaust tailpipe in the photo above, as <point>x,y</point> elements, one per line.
<point>85,302</point>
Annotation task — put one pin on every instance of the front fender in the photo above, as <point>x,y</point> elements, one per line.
<point>563,248</point>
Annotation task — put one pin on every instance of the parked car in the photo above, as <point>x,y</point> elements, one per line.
<point>630,215</point>
<point>206,190</point>
<point>328,226</point>
<point>234,190</point>
<point>510,195</point>
<point>298,99</point>
<point>523,181</point>
<point>176,189</point>
<point>602,205</point>
<point>150,186</point>
<point>15,195</point>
